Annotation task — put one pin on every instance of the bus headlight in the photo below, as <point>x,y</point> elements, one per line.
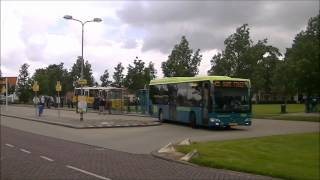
<point>214,120</point>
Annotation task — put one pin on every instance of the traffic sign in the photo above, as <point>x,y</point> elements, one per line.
<point>58,86</point>
<point>82,81</point>
<point>3,90</point>
<point>35,86</point>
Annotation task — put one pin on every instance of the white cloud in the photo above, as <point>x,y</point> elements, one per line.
<point>34,32</point>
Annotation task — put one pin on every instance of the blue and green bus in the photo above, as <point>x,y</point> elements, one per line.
<point>211,101</point>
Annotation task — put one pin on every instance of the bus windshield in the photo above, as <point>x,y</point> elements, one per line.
<point>227,99</point>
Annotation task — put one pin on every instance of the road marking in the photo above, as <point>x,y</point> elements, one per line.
<point>88,173</point>
<point>23,150</point>
<point>46,158</point>
<point>10,145</point>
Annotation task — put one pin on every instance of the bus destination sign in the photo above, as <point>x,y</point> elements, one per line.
<point>230,84</point>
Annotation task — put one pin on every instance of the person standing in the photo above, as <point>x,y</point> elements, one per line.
<point>101,105</point>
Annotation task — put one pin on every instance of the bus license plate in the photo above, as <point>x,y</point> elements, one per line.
<point>233,124</point>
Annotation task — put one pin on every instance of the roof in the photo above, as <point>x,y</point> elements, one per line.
<point>98,88</point>
<point>11,80</point>
<point>172,80</point>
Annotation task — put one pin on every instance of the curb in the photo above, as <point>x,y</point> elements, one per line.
<point>42,121</point>
<point>82,127</point>
<point>156,155</point>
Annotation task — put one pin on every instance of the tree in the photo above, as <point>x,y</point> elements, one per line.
<point>242,58</point>
<point>24,84</point>
<point>150,72</point>
<point>303,58</point>
<point>87,72</point>
<point>138,76</point>
<point>47,79</point>
<point>182,61</point>
<point>232,61</point>
<point>118,76</point>
<point>105,79</point>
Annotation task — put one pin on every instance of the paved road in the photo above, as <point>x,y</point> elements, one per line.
<point>146,139</point>
<point>30,156</point>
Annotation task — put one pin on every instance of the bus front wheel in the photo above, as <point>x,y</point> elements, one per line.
<point>161,116</point>
<point>193,123</point>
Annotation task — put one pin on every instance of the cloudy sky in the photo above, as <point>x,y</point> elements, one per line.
<point>35,32</point>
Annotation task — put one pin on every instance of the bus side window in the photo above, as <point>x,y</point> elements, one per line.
<point>194,94</point>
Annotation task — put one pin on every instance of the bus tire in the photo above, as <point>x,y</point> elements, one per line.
<point>161,116</point>
<point>193,122</point>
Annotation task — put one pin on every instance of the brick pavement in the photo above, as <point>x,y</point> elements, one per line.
<point>71,118</point>
<point>104,162</point>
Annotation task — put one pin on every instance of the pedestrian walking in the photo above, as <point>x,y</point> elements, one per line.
<point>41,105</point>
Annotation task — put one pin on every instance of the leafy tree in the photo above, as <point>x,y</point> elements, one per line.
<point>232,61</point>
<point>24,84</point>
<point>242,58</point>
<point>150,72</point>
<point>42,78</point>
<point>282,81</point>
<point>182,61</point>
<point>87,72</point>
<point>105,79</point>
<point>303,58</point>
<point>47,79</point>
<point>118,76</point>
<point>138,76</point>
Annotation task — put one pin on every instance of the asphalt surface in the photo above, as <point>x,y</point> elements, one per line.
<point>30,156</point>
<point>143,140</point>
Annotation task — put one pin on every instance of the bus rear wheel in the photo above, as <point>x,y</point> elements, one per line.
<point>193,123</point>
<point>161,116</point>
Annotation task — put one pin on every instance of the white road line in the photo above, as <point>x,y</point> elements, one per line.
<point>23,150</point>
<point>88,173</point>
<point>10,145</point>
<point>46,158</point>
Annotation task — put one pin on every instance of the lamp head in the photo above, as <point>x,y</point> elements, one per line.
<point>67,17</point>
<point>97,19</point>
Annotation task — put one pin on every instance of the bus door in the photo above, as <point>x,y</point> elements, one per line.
<point>206,99</point>
<point>172,92</point>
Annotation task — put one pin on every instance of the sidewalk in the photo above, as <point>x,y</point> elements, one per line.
<point>71,119</point>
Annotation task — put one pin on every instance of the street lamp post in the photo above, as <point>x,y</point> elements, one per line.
<point>68,17</point>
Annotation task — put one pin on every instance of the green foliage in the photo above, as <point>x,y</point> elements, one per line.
<point>182,61</point>
<point>118,76</point>
<point>47,79</point>
<point>150,72</point>
<point>242,58</point>
<point>24,84</point>
<point>303,58</point>
<point>292,156</point>
<point>138,76</point>
<point>105,79</point>
<point>87,72</point>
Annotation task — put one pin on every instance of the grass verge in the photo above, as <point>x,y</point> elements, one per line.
<point>294,156</point>
<point>273,111</point>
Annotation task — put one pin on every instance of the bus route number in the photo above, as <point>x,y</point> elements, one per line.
<point>234,84</point>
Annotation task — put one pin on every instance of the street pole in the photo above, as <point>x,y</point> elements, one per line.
<point>36,103</point>
<point>6,94</point>
<point>82,62</point>
<point>59,105</point>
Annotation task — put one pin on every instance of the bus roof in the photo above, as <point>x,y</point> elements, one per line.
<point>172,80</point>
<point>98,88</point>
